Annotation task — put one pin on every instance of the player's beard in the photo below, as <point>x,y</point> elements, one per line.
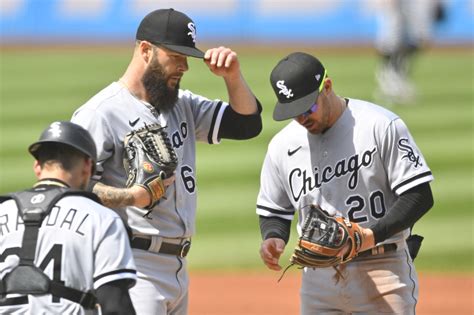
<point>155,81</point>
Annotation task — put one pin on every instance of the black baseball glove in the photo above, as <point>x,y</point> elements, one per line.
<point>149,158</point>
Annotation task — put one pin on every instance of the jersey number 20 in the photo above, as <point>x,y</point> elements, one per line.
<point>357,203</point>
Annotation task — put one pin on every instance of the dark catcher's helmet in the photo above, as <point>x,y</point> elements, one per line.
<point>68,133</point>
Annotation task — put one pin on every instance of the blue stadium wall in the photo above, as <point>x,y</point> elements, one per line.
<point>258,21</point>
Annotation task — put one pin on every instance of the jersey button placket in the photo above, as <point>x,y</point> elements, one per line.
<point>325,154</point>
<point>326,193</point>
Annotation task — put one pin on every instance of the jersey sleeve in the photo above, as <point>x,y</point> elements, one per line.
<point>207,115</point>
<point>113,258</point>
<point>100,130</point>
<point>272,200</point>
<point>405,165</point>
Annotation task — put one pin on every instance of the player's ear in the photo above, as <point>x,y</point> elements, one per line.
<point>37,168</point>
<point>327,85</point>
<point>146,51</point>
<point>88,167</point>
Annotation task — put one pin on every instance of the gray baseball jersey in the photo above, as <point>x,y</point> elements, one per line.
<point>114,112</point>
<point>80,243</point>
<point>355,169</point>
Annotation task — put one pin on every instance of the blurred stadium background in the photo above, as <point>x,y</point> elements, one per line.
<point>55,54</point>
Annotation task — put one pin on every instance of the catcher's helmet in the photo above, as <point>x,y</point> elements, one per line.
<point>68,133</point>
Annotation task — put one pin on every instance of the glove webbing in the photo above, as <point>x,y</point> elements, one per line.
<point>162,153</point>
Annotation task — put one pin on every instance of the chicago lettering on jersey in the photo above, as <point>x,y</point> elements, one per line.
<point>301,183</point>
<point>178,137</point>
<point>70,219</point>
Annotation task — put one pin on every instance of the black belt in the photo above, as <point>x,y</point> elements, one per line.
<point>13,301</point>
<point>180,250</point>
<point>377,250</point>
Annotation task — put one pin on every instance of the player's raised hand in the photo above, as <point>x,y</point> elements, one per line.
<point>270,252</point>
<point>223,62</point>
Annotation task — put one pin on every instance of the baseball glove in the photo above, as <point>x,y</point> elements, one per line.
<point>149,158</point>
<point>323,238</point>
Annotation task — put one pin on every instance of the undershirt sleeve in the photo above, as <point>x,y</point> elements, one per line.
<point>238,127</point>
<point>409,208</point>
<point>114,298</point>
<point>275,227</point>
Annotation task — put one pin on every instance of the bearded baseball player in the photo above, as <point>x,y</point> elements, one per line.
<point>162,215</point>
<point>355,160</point>
<point>61,252</point>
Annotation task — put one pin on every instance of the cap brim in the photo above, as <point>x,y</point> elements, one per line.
<point>289,110</point>
<point>185,50</point>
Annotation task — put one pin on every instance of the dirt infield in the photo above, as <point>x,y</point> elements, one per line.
<point>260,294</point>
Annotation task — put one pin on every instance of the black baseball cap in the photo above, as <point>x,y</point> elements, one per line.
<point>297,81</point>
<point>171,29</point>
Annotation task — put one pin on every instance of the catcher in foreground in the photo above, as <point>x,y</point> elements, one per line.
<point>150,160</point>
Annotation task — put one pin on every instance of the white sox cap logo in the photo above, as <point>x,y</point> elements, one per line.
<point>55,129</point>
<point>192,30</point>
<point>283,89</point>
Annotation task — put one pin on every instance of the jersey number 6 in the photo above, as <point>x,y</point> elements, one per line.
<point>188,178</point>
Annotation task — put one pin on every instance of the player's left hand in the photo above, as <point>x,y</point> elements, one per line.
<point>223,62</point>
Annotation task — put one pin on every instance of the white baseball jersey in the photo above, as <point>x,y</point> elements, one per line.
<point>80,243</point>
<point>114,112</point>
<point>357,168</point>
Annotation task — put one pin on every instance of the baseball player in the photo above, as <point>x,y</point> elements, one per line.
<point>148,93</point>
<point>404,28</point>
<point>61,252</point>
<point>351,158</point>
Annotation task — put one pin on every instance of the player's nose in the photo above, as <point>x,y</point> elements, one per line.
<point>183,65</point>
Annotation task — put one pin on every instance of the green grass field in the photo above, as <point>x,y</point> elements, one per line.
<point>39,86</point>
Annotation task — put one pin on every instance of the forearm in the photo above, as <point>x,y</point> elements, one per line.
<point>113,197</point>
<point>241,97</point>
<point>408,209</point>
<point>274,227</point>
<point>114,298</point>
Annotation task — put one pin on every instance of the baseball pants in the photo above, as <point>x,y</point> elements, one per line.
<point>162,284</point>
<point>382,284</point>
